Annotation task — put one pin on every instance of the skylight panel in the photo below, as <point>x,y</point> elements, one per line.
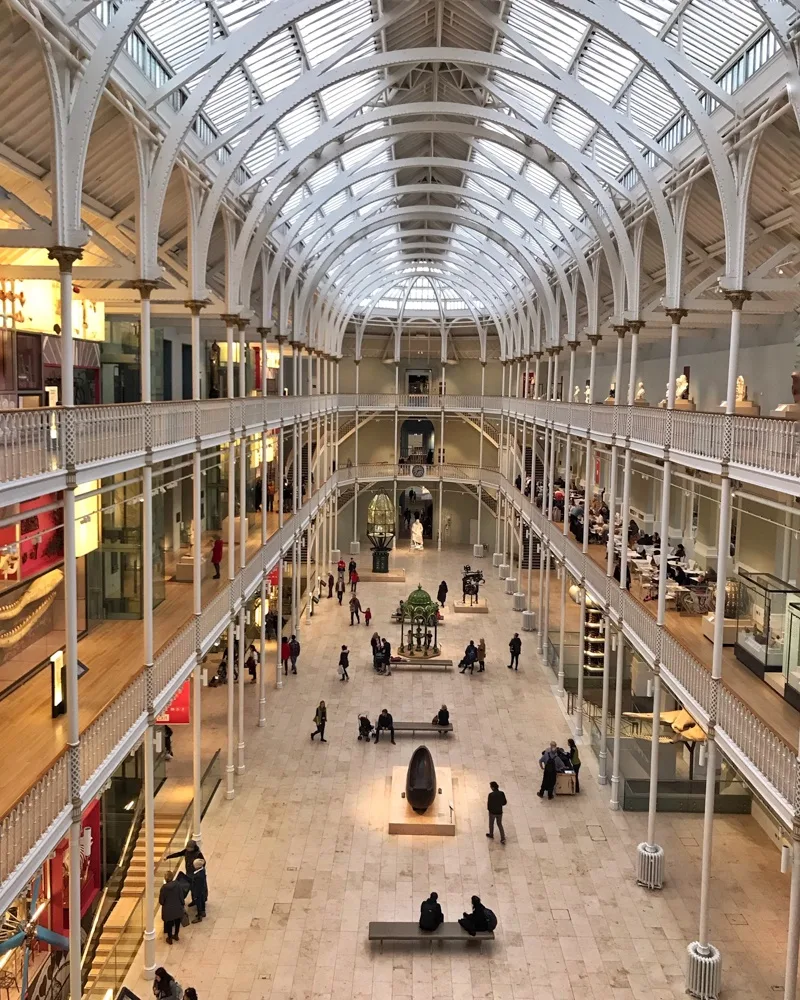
<point>607,154</point>
<point>571,123</point>
<point>324,176</point>
<point>230,102</point>
<point>649,104</point>
<point>524,206</point>
<point>179,29</point>
<point>326,30</point>
<point>534,99</point>
<point>335,203</point>
<point>492,154</point>
<point>349,95</point>
<point>604,66</point>
<point>263,153</point>
<point>364,154</point>
<point>712,31</point>
<point>513,225</point>
<point>556,32</point>
<point>651,14</point>
<point>293,203</point>
<point>275,65</point>
<point>371,185</point>
<point>236,13</point>
<point>540,179</point>
<point>568,203</point>
<point>299,123</point>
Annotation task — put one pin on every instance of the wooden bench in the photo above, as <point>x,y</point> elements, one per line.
<point>422,727</point>
<point>422,664</point>
<point>401,930</point>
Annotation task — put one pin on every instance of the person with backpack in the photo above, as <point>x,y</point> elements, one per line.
<point>515,648</point>
<point>430,913</point>
<point>344,663</point>
<point>252,662</point>
<point>481,918</point>
<point>294,652</point>
<point>470,657</point>
<point>165,986</point>
<point>320,719</point>
<point>285,653</point>
<point>494,804</point>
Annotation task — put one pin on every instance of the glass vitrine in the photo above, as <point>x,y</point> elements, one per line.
<point>761,622</point>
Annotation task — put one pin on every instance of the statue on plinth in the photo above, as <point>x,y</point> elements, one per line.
<point>741,390</point>
<point>587,394</point>
<point>416,534</point>
<point>640,392</point>
<point>576,395</point>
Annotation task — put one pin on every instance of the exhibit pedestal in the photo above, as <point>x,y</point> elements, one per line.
<point>787,411</point>
<point>480,607</point>
<point>729,630</point>
<point>503,570</point>
<point>745,408</point>
<point>528,621</point>
<point>438,820</point>
<point>478,551</point>
<point>184,569</point>
<point>497,558</point>
<point>640,402</point>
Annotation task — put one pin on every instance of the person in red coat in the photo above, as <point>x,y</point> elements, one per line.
<point>216,556</point>
<point>285,654</point>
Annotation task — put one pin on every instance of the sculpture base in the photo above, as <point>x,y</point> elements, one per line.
<point>336,555</point>
<point>497,558</point>
<point>478,551</point>
<point>680,404</point>
<point>437,821</point>
<point>503,570</point>
<point>184,569</point>
<point>390,576</point>
<point>511,584</point>
<point>355,548</point>
<point>519,601</point>
<point>528,621</point>
<point>640,402</point>
<point>787,411</point>
<point>480,607</point>
<point>745,408</point>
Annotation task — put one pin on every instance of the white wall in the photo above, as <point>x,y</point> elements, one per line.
<point>462,378</point>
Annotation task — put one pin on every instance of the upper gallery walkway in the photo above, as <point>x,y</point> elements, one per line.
<point>39,446</point>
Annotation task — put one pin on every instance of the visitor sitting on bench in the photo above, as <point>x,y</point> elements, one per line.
<point>364,727</point>
<point>442,717</point>
<point>481,918</point>
<point>430,913</point>
<point>385,721</point>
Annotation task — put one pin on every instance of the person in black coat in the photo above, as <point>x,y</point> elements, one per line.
<point>190,854</point>
<point>385,721</point>
<point>443,716</point>
<point>430,913</point>
<point>441,593</point>
<point>199,889</point>
<point>515,648</point>
<point>476,921</point>
<point>170,899</point>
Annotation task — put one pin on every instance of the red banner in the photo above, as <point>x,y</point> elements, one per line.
<point>272,576</point>
<point>177,712</point>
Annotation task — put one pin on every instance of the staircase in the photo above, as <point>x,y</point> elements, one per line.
<point>121,937</point>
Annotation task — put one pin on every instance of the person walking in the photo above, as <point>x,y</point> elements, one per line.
<point>199,889</point>
<point>354,581</point>
<point>294,652</point>
<point>330,585</point>
<point>170,899</point>
<point>351,568</point>
<point>216,556</point>
<point>441,593</point>
<point>575,760</point>
<point>385,721</point>
<point>340,588</point>
<point>344,663</point>
<point>285,653</point>
<point>481,656</point>
<point>367,616</point>
<point>320,718</point>
<point>515,648</point>
<point>270,496</point>
<point>252,662</point>
<point>355,610</point>
<point>494,804</point>
<point>430,913</point>
<point>386,653</point>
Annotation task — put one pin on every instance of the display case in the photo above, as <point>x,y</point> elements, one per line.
<point>594,634</point>
<point>762,619</point>
<point>791,652</point>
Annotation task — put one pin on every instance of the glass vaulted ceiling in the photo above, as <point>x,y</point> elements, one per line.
<point>720,40</point>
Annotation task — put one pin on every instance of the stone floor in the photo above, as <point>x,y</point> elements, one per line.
<point>300,861</point>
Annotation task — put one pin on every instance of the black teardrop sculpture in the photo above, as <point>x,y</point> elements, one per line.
<point>421,780</point>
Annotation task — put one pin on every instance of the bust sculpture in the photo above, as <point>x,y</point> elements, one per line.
<point>681,387</point>
<point>587,394</point>
<point>741,390</point>
<point>416,534</point>
<point>576,395</point>
<point>421,780</point>
<point>640,392</point>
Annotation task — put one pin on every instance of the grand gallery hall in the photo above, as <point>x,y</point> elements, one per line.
<point>399,481</point>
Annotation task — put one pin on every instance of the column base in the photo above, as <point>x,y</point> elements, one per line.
<point>503,570</point>
<point>704,971</point>
<point>262,723</point>
<point>511,584</point>
<point>497,558</point>
<point>148,970</point>
<point>355,549</point>
<point>478,551</point>
<point>519,602</point>
<point>650,866</point>
<point>336,555</point>
<point>528,621</point>
<point>229,794</point>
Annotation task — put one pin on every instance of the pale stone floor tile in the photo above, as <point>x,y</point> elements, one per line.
<point>300,861</point>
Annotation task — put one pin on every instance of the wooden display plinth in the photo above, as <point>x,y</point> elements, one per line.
<point>480,607</point>
<point>680,404</point>
<point>640,402</point>
<point>745,408</point>
<point>184,569</point>
<point>439,820</point>
<point>729,630</point>
<point>787,411</point>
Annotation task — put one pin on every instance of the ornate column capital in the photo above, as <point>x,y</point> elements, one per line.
<point>573,345</point>
<point>538,355</point>
<point>196,305</point>
<point>621,329</point>
<point>144,286</point>
<point>263,331</point>
<point>737,297</point>
<point>635,325</point>
<point>242,323</point>
<point>280,338</point>
<point>66,256</point>
<point>676,315</point>
<point>593,338</point>
<point>229,319</point>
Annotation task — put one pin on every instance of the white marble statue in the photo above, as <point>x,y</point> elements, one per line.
<point>681,385</point>
<point>416,535</point>
<point>587,394</point>
<point>576,395</point>
<point>741,390</point>
<point>640,392</point>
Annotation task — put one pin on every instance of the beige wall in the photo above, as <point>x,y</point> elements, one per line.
<point>376,442</point>
<point>464,377</point>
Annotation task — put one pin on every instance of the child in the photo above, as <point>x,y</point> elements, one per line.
<point>367,617</point>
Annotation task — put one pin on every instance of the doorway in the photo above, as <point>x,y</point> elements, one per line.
<point>186,371</point>
<point>418,381</point>
<point>416,503</point>
<point>416,442</point>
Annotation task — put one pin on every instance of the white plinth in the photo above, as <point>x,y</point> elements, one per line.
<point>503,570</point>
<point>519,602</point>
<point>528,621</point>
<point>355,548</point>
<point>184,569</point>
<point>729,629</point>
<point>480,607</point>
<point>478,551</point>
<point>497,558</point>
<point>511,584</point>
<point>787,411</point>
<point>439,820</point>
<point>336,555</point>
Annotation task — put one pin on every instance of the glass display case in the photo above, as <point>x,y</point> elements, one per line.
<point>791,652</point>
<point>761,623</point>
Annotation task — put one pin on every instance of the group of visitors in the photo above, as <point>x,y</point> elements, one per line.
<point>481,919</point>
<point>290,651</point>
<point>555,761</point>
<point>381,654</point>
<point>175,889</point>
<point>366,729</point>
<point>167,987</point>
<point>473,654</point>
<point>251,663</point>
